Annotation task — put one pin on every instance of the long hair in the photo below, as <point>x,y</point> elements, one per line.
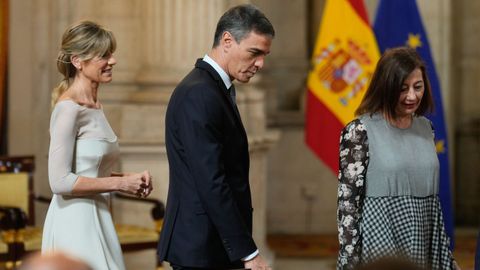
<point>392,70</point>
<point>86,40</point>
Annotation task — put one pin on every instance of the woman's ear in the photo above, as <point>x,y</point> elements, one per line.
<point>76,62</point>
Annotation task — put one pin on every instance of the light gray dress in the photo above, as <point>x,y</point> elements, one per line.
<point>82,144</point>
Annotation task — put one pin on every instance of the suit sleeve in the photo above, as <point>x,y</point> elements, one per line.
<point>200,128</point>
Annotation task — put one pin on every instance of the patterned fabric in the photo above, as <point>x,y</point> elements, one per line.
<point>405,226</point>
<point>372,227</point>
<point>351,192</point>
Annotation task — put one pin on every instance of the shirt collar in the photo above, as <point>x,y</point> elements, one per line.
<point>225,78</point>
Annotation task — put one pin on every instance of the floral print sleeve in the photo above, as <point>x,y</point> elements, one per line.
<point>353,163</point>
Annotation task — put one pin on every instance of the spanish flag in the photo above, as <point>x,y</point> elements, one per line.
<point>343,62</point>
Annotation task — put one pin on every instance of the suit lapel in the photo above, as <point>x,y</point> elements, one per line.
<point>224,92</point>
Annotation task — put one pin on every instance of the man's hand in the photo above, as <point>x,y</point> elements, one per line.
<point>257,263</point>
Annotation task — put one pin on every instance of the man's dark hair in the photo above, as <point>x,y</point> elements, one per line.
<point>240,20</point>
<point>392,70</point>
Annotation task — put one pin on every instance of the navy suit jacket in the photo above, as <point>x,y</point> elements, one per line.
<point>208,221</point>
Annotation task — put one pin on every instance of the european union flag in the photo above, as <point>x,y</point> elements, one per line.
<point>398,23</point>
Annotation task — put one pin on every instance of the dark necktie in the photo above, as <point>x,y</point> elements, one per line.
<point>233,94</point>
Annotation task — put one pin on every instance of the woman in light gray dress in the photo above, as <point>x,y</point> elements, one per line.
<point>388,204</point>
<point>83,151</point>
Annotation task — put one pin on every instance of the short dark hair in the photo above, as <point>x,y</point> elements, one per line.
<point>384,90</point>
<point>240,20</point>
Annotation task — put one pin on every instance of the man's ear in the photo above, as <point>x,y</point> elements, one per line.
<point>227,40</point>
<point>76,62</point>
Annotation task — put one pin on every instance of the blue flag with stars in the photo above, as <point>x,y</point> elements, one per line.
<point>398,23</point>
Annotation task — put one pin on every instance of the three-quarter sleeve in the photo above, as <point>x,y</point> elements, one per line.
<point>63,132</point>
<point>353,163</point>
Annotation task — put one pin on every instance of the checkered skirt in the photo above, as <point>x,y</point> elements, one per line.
<point>405,226</point>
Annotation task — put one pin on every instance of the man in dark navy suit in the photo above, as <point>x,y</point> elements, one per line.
<point>208,223</point>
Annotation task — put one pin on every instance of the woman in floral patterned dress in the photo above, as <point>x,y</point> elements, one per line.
<point>388,204</point>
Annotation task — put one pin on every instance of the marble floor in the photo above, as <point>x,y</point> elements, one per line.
<point>306,252</point>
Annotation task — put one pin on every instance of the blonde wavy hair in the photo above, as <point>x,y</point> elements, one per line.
<point>86,40</point>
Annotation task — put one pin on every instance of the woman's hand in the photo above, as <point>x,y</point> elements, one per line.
<point>139,184</point>
<point>148,181</point>
<point>456,266</point>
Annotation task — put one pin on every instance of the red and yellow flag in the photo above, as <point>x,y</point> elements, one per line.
<point>343,62</point>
